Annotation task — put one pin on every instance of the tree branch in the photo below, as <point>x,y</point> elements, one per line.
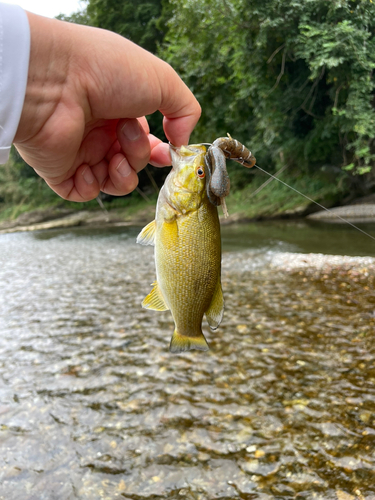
<point>275,52</point>
<point>337,95</point>
<point>280,74</point>
<point>316,81</point>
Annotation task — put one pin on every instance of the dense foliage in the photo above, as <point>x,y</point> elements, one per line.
<point>291,79</point>
<point>134,19</point>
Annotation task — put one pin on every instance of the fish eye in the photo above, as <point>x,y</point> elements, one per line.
<point>200,172</point>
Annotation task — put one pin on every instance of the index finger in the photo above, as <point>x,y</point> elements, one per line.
<point>180,108</point>
<point>130,82</point>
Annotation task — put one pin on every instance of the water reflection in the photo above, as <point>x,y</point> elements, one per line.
<point>302,236</point>
<point>93,406</point>
<point>279,235</point>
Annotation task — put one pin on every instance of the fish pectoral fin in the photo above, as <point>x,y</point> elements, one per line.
<point>214,313</point>
<point>155,299</point>
<point>147,235</point>
<point>182,343</point>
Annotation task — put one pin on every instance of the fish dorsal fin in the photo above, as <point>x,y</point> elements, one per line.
<point>214,313</point>
<point>155,299</point>
<point>147,235</point>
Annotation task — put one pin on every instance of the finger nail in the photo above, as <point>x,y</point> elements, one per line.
<point>124,169</point>
<point>131,130</point>
<point>88,175</point>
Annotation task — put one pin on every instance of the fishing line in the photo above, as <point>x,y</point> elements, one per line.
<point>101,204</point>
<point>316,203</point>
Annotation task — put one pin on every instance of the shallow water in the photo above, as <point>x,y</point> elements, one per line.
<point>92,405</point>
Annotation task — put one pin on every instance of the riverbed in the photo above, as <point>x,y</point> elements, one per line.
<point>93,405</point>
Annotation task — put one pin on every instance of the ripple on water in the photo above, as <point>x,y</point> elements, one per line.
<point>92,405</point>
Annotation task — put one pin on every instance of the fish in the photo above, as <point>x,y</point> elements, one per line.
<point>187,241</point>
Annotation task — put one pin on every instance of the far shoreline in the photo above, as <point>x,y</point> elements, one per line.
<point>361,211</point>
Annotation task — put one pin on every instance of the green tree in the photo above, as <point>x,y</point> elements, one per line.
<point>136,20</point>
<point>291,79</point>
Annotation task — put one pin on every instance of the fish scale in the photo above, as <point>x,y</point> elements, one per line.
<point>186,236</point>
<point>190,270</point>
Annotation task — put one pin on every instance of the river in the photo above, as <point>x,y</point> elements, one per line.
<point>93,406</point>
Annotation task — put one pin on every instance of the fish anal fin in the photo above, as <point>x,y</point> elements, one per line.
<point>214,313</point>
<point>147,235</point>
<point>182,343</point>
<point>155,300</point>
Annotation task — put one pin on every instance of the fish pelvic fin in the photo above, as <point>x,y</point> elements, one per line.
<point>214,313</point>
<point>155,299</point>
<point>182,343</point>
<point>147,235</point>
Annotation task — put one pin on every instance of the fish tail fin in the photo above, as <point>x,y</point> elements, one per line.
<point>181,343</point>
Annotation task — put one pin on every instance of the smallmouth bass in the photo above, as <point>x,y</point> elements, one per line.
<point>186,236</point>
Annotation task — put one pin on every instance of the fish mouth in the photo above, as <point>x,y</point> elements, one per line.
<point>193,148</point>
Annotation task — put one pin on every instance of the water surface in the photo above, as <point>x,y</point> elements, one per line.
<point>93,406</point>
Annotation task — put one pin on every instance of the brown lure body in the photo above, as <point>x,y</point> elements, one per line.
<point>222,149</point>
<point>234,150</point>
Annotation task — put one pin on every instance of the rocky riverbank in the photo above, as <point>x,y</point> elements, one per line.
<point>291,262</point>
<point>43,219</point>
<point>359,211</point>
<point>352,213</point>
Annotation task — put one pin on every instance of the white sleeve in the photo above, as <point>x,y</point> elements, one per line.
<point>14,65</point>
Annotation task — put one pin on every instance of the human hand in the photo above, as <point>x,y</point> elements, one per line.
<point>82,126</point>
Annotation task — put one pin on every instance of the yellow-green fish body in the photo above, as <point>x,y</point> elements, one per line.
<point>186,235</point>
